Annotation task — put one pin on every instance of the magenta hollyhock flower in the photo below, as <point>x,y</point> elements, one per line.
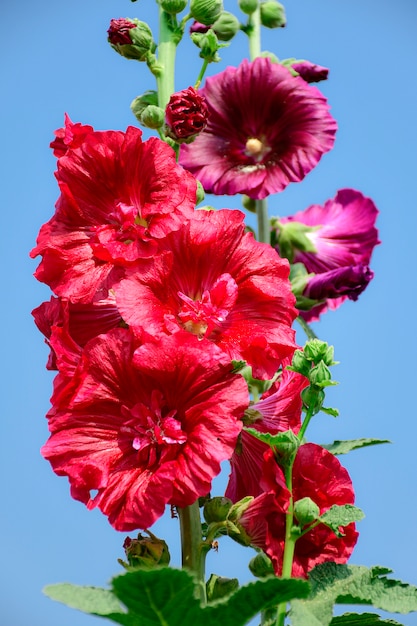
<point>310,72</point>
<point>145,425</point>
<point>186,115</point>
<point>70,136</point>
<point>341,241</point>
<point>266,129</point>
<point>217,282</point>
<point>278,410</point>
<point>119,195</point>
<point>317,474</point>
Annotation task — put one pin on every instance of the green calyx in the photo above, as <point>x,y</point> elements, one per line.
<point>273,14</point>
<point>143,45</point>
<point>292,237</point>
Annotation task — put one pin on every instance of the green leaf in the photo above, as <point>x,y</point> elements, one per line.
<point>362,619</point>
<point>92,600</point>
<point>343,447</point>
<point>330,411</point>
<point>341,515</point>
<point>349,584</point>
<point>168,597</point>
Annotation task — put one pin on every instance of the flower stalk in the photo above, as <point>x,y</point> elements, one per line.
<point>167,49</point>
<point>254,34</point>
<point>192,549</point>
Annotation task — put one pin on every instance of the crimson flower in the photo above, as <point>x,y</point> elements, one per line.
<point>119,195</point>
<point>185,115</point>
<point>317,474</point>
<point>310,72</point>
<point>217,282</point>
<point>278,410</point>
<point>70,136</point>
<point>119,31</point>
<point>144,425</point>
<point>341,236</point>
<point>266,129</point>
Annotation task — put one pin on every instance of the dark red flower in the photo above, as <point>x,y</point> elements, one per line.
<point>119,195</point>
<point>145,425</point>
<point>217,282</point>
<point>186,115</point>
<point>119,31</point>
<point>317,474</point>
<point>266,128</point>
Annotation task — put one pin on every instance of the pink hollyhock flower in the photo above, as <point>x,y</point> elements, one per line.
<point>145,426</point>
<point>310,72</point>
<point>266,129</point>
<point>317,474</point>
<point>217,282</point>
<point>186,115</point>
<point>278,410</point>
<point>337,247</point>
<point>119,195</point>
<point>71,136</point>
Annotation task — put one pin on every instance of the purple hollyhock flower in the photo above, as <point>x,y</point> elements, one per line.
<point>340,235</point>
<point>266,128</point>
<point>311,72</point>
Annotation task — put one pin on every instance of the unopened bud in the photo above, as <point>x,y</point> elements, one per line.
<point>146,551</point>
<point>206,11</point>
<point>319,374</point>
<point>152,117</point>
<point>226,26</point>
<point>248,6</point>
<point>272,14</point>
<point>306,511</point>
<point>173,6</point>
<point>208,44</point>
<point>217,509</point>
<point>131,38</point>
<point>186,115</point>
<point>261,565</point>
<point>313,398</point>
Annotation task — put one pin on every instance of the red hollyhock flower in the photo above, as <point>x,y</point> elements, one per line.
<point>82,321</point>
<point>71,136</point>
<point>145,426</point>
<point>186,115</point>
<point>216,282</point>
<point>343,236</point>
<point>119,31</point>
<point>317,474</point>
<point>118,196</point>
<point>266,129</point>
<point>278,410</point>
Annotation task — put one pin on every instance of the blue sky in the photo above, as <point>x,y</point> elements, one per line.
<point>55,58</point>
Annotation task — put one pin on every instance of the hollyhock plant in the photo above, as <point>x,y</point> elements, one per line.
<point>266,129</point>
<point>217,282</point>
<point>279,410</point>
<point>119,195</point>
<point>186,115</point>
<point>334,241</point>
<point>147,425</point>
<point>317,474</point>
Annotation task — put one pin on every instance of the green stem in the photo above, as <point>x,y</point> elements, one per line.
<point>264,231</point>
<point>192,549</point>
<point>201,74</point>
<point>289,547</point>
<point>254,34</point>
<point>167,49</point>
<point>306,328</point>
<point>306,422</point>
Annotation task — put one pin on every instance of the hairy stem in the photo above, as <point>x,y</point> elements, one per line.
<point>254,34</point>
<point>167,48</point>
<point>264,234</point>
<point>192,549</point>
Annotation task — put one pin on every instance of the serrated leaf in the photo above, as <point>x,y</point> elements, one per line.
<point>362,619</point>
<point>343,447</point>
<point>341,515</point>
<point>92,600</point>
<point>275,440</point>
<point>349,584</point>
<point>166,597</point>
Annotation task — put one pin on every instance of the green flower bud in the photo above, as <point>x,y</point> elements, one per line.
<point>306,511</point>
<point>146,551</point>
<point>316,350</point>
<point>261,565</point>
<point>319,374</point>
<point>206,11</point>
<point>208,44</point>
<point>248,6</point>
<point>200,193</point>
<point>218,587</point>
<point>173,6</point>
<point>226,26</point>
<point>152,117</point>
<point>131,38</point>
<point>313,398</point>
<point>140,103</point>
<point>286,450</point>
<point>300,364</point>
<point>217,509</point>
<point>249,204</point>
<point>272,14</point>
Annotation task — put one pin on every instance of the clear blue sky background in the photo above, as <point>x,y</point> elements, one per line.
<point>55,58</point>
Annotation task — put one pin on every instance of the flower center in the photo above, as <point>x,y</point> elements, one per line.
<point>153,430</point>
<point>206,313</point>
<point>254,147</point>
